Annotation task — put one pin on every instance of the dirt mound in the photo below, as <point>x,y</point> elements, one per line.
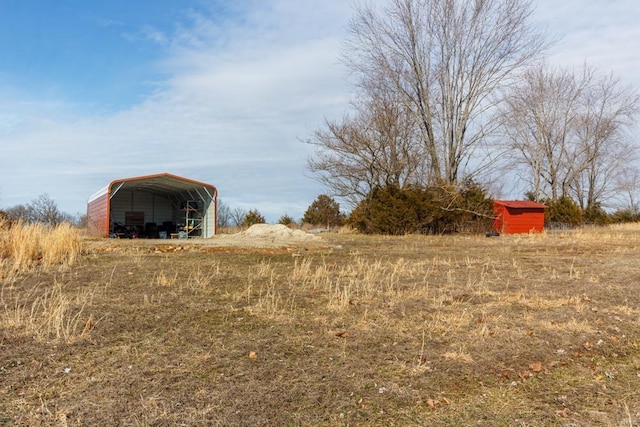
<point>277,231</point>
<point>268,235</point>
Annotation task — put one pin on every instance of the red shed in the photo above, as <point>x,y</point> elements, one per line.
<point>161,205</point>
<point>513,216</point>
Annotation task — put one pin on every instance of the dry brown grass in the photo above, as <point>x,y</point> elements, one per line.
<point>45,313</point>
<point>24,247</point>
<point>40,311</point>
<point>518,330</point>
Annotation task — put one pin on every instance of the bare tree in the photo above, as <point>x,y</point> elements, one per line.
<point>19,213</point>
<point>45,210</point>
<point>443,59</point>
<point>567,130</point>
<point>539,116</point>
<point>223,215</point>
<point>628,186</point>
<point>237,216</point>
<point>603,151</point>
<point>374,147</point>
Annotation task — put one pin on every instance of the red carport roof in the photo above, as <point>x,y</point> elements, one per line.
<point>520,204</point>
<point>162,183</point>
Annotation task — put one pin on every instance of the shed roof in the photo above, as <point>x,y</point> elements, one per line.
<point>520,204</point>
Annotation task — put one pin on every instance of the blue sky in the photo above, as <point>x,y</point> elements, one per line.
<point>97,57</point>
<point>217,91</point>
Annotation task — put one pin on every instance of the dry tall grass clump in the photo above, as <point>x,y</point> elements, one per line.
<point>44,312</point>
<point>60,246</point>
<point>24,247</point>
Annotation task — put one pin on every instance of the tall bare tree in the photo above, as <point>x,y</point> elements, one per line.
<point>443,59</point>
<point>568,131</point>
<point>539,116</point>
<point>608,109</point>
<point>628,186</point>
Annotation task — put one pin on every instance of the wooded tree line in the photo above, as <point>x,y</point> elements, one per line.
<point>42,210</point>
<point>452,92</point>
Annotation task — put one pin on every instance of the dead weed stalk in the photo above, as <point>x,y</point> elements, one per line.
<point>47,313</point>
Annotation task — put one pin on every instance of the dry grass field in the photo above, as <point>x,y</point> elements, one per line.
<point>532,330</point>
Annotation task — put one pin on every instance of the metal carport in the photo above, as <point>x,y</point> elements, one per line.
<point>161,205</point>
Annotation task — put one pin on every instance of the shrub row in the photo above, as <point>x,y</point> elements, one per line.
<point>433,210</point>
